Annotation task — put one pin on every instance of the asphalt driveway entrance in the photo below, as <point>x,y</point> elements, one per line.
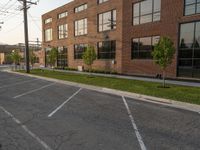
<point>36,114</point>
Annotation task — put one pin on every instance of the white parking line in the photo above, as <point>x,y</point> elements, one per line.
<point>18,83</point>
<point>32,91</point>
<point>59,107</point>
<point>139,137</point>
<point>26,129</point>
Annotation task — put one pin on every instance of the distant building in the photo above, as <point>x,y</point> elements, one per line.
<point>5,50</point>
<point>123,33</point>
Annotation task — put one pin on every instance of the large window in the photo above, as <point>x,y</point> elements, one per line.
<point>79,49</point>
<point>48,35</point>
<point>62,57</point>
<point>106,50</point>
<point>189,50</point>
<point>107,21</point>
<point>146,11</point>
<point>62,31</point>
<point>192,7</point>
<point>101,1</point>
<point>142,47</point>
<point>62,15</point>
<point>81,8</point>
<point>49,20</point>
<point>81,27</point>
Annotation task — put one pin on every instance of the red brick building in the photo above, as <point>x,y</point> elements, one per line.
<point>123,33</point>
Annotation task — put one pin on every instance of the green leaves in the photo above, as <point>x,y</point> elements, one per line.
<point>89,56</point>
<point>52,57</point>
<point>32,57</point>
<point>15,57</point>
<point>164,52</point>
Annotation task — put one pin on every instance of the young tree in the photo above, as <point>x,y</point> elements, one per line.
<point>89,56</point>
<point>163,54</point>
<point>15,57</point>
<point>32,57</point>
<point>52,57</point>
<point>8,59</point>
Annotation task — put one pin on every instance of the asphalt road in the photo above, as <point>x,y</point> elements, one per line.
<point>40,115</point>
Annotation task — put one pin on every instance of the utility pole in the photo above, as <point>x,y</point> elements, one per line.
<point>25,8</point>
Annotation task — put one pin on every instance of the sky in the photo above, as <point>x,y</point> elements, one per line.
<point>12,31</point>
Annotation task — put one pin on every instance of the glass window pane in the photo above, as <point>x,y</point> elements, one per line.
<point>136,21</point>
<point>187,35</point>
<point>197,53</point>
<point>107,21</point>
<point>136,10</point>
<point>185,53</point>
<point>146,7</point>
<point>190,9</point>
<point>155,40</point>
<point>197,35</point>
<point>106,50</point>
<point>146,19</point>
<point>187,2</point>
<point>157,5</point>
<point>198,8</point>
<point>156,16</point>
<point>145,43</point>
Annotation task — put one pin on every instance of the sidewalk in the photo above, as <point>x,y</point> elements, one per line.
<point>174,82</point>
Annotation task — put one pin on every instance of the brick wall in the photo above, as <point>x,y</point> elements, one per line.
<point>171,17</point>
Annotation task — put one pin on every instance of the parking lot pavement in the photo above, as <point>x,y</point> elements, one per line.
<point>37,114</point>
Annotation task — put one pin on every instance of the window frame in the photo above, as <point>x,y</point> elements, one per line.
<point>103,1</point>
<point>138,50</point>
<point>82,5</point>
<point>110,52</point>
<point>196,3</point>
<point>85,27</point>
<point>80,53</point>
<point>60,17</point>
<point>51,33</point>
<point>153,12</point>
<point>64,36</point>
<point>48,20</point>
<point>113,26</point>
<point>179,67</point>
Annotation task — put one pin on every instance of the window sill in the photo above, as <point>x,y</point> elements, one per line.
<point>63,39</point>
<point>112,30</point>
<point>76,36</point>
<point>147,23</point>
<point>106,59</point>
<point>142,59</point>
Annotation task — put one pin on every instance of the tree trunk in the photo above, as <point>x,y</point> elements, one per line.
<point>163,78</point>
<point>90,70</point>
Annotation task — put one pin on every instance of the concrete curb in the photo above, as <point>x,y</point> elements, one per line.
<point>151,99</point>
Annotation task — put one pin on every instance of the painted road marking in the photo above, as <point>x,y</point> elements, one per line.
<point>139,137</point>
<point>32,91</point>
<point>18,83</point>
<point>26,129</point>
<point>59,107</point>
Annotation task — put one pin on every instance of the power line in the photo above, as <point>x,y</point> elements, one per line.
<point>34,21</point>
<point>14,28</point>
<point>6,9</point>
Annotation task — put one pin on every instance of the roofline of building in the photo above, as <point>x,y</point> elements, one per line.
<point>58,7</point>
